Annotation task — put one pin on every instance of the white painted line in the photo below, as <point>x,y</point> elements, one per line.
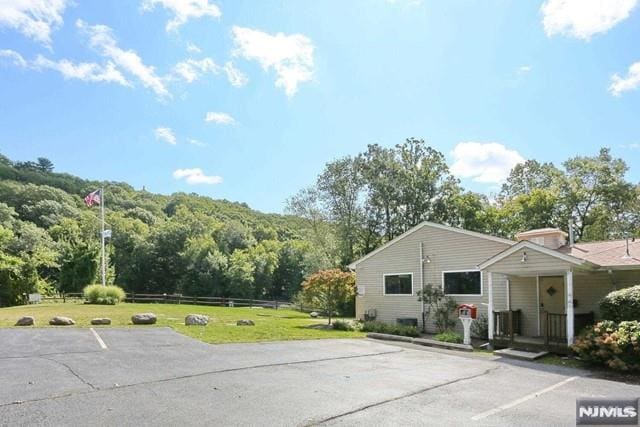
<point>522,399</point>
<point>95,334</point>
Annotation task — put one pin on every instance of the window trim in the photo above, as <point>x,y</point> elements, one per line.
<point>384,287</point>
<point>475,270</point>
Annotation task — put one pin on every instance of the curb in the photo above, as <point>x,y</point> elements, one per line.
<point>421,341</point>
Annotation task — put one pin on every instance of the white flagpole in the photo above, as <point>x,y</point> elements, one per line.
<point>104,271</point>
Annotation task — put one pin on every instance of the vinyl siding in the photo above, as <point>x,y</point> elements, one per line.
<point>524,297</point>
<point>448,251</point>
<point>589,289</point>
<point>536,263</point>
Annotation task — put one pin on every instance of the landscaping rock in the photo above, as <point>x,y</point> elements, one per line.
<point>245,322</point>
<point>196,319</point>
<point>144,319</point>
<point>26,321</point>
<point>314,314</point>
<point>101,321</point>
<point>61,321</point>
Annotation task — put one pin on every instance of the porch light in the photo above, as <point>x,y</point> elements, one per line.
<point>524,256</point>
<point>427,259</point>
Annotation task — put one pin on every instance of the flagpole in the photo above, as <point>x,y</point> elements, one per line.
<point>104,271</point>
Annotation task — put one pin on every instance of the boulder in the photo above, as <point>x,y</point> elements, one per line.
<point>61,321</point>
<point>314,314</point>
<point>196,319</point>
<point>144,319</point>
<point>101,321</point>
<point>245,322</point>
<point>26,321</point>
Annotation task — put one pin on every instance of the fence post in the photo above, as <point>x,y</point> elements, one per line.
<point>275,303</point>
<point>546,328</point>
<point>133,297</point>
<point>63,298</point>
<point>511,326</point>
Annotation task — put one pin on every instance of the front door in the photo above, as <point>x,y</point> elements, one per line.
<point>552,294</point>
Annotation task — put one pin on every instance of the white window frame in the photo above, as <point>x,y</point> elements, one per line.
<point>473,270</point>
<point>384,287</point>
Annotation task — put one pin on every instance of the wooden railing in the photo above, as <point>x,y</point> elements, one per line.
<point>555,328</point>
<point>507,323</point>
<point>178,299</point>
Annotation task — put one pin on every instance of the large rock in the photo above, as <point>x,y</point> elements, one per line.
<point>144,319</point>
<point>196,319</point>
<point>26,321</point>
<point>314,314</point>
<point>245,322</point>
<point>61,321</point>
<point>101,321</point>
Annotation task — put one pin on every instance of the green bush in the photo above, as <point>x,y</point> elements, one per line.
<point>621,305</point>
<point>480,328</point>
<point>98,294</point>
<point>616,345</point>
<point>385,328</point>
<point>343,325</point>
<point>449,336</point>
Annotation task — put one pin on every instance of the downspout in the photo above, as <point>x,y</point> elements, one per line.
<point>424,327</point>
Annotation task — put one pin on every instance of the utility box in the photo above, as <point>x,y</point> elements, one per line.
<point>469,311</point>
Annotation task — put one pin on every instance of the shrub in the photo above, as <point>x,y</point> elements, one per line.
<point>343,325</point>
<point>98,294</point>
<point>480,328</point>
<point>616,345</point>
<point>441,305</point>
<point>449,336</point>
<point>385,328</point>
<point>621,305</point>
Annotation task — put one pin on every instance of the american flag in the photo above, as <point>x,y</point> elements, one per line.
<point>93,198</point>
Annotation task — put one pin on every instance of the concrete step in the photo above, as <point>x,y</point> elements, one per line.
<point>520,354</point>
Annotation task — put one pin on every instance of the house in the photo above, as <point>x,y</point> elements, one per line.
<point>537,291</point>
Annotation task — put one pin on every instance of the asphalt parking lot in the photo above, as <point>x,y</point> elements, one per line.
<point>155,376</point>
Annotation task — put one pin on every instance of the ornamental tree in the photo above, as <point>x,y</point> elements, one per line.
<point>327,289</point>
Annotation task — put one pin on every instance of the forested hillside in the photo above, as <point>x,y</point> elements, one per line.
<point>49,240</point>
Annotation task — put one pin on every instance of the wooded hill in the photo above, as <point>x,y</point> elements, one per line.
<point>186,243</point>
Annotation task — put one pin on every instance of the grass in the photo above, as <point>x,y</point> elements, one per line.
<point>270,325</point>
<point>556,360</point>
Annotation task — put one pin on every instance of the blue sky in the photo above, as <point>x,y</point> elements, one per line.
<point>247,100</point>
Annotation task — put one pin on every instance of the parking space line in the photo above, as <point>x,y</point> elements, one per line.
<point>522,399</point>
<point>95,334</point>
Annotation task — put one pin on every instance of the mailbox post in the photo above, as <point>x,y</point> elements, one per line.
<point>467,313</point>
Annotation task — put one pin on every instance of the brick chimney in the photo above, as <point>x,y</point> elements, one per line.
<point>551,238</point>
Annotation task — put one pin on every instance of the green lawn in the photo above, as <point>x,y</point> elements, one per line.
<point>270,325</point>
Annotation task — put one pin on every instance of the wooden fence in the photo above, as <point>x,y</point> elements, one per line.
<point>178,299</point>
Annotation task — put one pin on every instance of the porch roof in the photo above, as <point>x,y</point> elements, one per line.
<point>528,258</point>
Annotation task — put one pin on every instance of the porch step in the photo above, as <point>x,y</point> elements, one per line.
<point>520,354</point>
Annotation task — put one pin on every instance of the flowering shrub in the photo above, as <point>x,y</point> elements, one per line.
<point>616,345</point>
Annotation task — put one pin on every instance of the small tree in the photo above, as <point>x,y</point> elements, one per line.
<point>438,303</point>
<point>327,289</point>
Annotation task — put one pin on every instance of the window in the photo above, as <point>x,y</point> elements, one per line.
<point>462,283</point>
<point>398,284</point>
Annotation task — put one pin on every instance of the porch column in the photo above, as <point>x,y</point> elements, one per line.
<point>569,310</point>
<point>490,307</point>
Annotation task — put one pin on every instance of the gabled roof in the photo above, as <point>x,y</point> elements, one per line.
<point>433,225</point>
<point>535,247</point>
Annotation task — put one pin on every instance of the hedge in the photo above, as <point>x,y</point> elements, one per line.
<point>621,305</point>
<point>98,294</point>
<point>616,345</point>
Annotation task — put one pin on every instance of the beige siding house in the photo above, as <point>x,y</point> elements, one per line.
<point>539,290</point>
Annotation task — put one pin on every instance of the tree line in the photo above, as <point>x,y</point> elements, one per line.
<point>382,192</point>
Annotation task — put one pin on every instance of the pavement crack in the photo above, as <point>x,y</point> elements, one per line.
<point>73,372</point>
<point>403,396</point>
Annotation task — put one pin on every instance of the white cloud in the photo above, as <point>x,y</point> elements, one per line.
<point>236,77</point>
<point>484,162</point>
<point>85,71</point>
<point>523,69</point>
<point>632,146</point>
<point>624,84</point>
<point>165,134</point>
<point>183,10</point>
<point>219,118</point>
<point>583,18</point>
<point>196,142</point>
<point>101,38</point>
<point>192,48</point>
<point>191,70</point>
<point>35,19</point>
<point>196,176</point>
<point>291,56</point>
